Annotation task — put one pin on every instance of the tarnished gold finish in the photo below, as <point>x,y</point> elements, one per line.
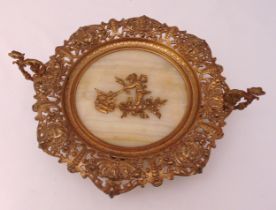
<point>105,102</point>
<point>115,169</point>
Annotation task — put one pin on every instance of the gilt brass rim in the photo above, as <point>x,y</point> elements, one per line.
<point>168,54</point>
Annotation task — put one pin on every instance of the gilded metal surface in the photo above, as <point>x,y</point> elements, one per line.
<point>116,172</point>
<point>137,106</point>
<point>233,98</point>
<point>36,66</point>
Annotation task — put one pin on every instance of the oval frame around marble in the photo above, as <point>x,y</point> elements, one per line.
<point>168,54</point>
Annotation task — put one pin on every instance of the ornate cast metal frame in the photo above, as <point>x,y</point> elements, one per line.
<point>115,169</point>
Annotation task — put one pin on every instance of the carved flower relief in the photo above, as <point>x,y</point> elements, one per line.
<point>113,169</point>
<point>139,26</point>
<point>191,158</point>
<point>52,137</point>
<point>191,151</point>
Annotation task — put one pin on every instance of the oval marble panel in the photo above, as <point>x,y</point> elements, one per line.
<point>164,81</point>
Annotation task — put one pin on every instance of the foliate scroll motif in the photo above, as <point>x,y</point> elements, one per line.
<point>36,66</point>
<point>135,106</point>
<point>232,99</point>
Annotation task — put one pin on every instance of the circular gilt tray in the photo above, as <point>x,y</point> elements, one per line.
<point>131,102</point>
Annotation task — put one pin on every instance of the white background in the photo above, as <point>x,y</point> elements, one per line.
<point>241,173</point>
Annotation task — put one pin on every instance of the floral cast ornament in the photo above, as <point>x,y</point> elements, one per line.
<point>139,105</point>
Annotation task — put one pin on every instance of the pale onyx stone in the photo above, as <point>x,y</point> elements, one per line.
<point>164,81</point>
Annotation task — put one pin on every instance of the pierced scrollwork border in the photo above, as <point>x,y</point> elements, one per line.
<point>116,174</point>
